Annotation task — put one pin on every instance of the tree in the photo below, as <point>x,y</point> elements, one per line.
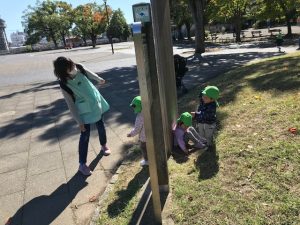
<point>50,19</point>
<point>272,9</point>
<point>64,14</point>
<point>80,33</point>
<point>118,27</point>
<point>80,29</point>
<point>230,10</point>
<point>197,8</point>
<point>180,15</point>
<point>91,20</point>
<point>39,21</point>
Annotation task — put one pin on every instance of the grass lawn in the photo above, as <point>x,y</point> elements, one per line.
<point>252,175</point>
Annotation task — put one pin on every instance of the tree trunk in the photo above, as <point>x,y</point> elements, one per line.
<point>238,26</point>
<point>64,40</point>
<point>289,13</point>
<point>93,37</point>
<point>53,39</point>
<point>188,30</point>
<point>84,40</point>
<point>180,36</point>
<point>197,9</point>
<point>289,25</point>
<point>55,42</point>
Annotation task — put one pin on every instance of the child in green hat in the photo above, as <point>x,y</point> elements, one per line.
<point>206,113</point>
<point>139,129</point>
<point>185,132</point>
<point>279,41</point>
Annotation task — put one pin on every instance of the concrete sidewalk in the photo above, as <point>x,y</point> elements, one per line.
<point>39,182</point>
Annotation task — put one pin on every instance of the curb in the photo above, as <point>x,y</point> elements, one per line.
<point>109,188</point>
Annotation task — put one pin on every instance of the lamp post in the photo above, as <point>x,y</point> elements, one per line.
<point>109,37</point>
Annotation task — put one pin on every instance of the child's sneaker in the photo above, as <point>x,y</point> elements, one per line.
<point>85,170</point>
<point>144,162</point>
<point>200,145</point>
<point>106,151</point>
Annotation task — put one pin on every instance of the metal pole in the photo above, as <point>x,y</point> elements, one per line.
<point>109,38</point>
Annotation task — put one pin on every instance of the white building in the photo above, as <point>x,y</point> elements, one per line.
<point>18,39</point>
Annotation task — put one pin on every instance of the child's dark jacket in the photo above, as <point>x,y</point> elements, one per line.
<point>206,113</point>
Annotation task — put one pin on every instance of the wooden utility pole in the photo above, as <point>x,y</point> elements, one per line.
<point>156,75</point>
<point>165,67</point>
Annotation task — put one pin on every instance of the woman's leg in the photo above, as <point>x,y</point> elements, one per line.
<point>101,132</point>
<point>102,137</point>
<point>83,144</point>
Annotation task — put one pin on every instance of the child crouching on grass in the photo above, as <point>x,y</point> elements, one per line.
<point>185,132</point>
<point>139,129</point>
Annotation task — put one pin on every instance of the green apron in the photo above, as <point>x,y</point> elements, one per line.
<point>88,101</point>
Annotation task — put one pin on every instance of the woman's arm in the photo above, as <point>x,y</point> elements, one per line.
<point>91,75</point>
<point>71,106</point>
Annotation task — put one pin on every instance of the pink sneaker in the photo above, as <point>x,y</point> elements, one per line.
<point>106,151</point>
<point>85,170</point>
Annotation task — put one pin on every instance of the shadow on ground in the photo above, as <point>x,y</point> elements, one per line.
<point>126,194</point>
<point>204,68</point>
<point>120,88</point>
<point>43,210</point>
<point>208,163</point>
<point>36,88</point>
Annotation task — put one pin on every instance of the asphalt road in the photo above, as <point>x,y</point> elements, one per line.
<point>35,67</point>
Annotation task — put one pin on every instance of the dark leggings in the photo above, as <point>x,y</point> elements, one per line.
<point>85,137</point>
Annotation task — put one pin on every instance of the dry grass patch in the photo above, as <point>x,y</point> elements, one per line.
<point>252,175</point>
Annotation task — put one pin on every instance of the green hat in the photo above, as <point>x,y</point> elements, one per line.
<point>212,92</point>
<point>185,118</point>
<point>137,104</point>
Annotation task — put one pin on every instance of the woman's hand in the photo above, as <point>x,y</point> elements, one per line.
<point>82,128</point>
<point>193,114</point>
<point>101,82</point>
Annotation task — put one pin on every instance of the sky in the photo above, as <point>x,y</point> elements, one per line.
<point>11,11</point>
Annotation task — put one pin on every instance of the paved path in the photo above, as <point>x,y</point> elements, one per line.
<point>39,182</point>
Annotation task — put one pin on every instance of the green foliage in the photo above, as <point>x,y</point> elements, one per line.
<point>54,20</point>
<point>90,20</point>
<point>118,27</point>
<point>272,9</point>
<point>180,12</point>
<point>50,19</point>
<point>277,10</point>
<point>228,10</point>
<point>232,11</point>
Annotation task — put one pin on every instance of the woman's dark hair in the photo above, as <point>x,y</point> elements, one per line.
<point>61,67</point>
